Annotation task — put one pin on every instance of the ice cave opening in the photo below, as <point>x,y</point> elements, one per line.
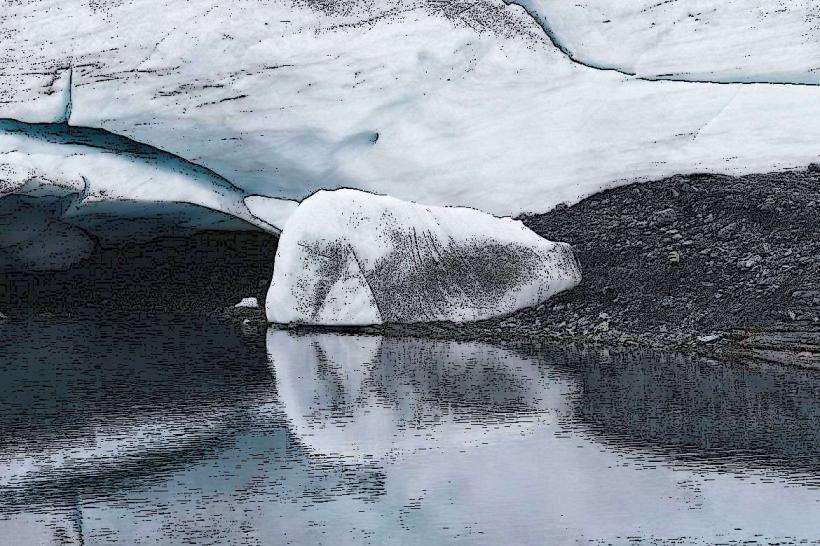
<point>125,256</point>
<point>92,221</point>
<point>51,266</point>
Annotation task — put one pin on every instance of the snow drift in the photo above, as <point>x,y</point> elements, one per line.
<point>460,103</point>
<point>347,257</point>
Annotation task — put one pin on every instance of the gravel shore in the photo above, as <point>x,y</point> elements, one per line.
<point>720,264</point>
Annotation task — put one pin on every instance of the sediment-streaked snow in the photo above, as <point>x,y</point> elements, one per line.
<point>437,102</point>
<point>347,257</point>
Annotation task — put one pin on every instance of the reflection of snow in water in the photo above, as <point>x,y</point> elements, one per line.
<point>369,397</point>
<point>115,446</point>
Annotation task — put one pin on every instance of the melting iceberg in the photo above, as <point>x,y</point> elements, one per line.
<point>348,257</point>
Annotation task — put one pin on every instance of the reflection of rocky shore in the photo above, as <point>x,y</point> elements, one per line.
<point>703,412</point>
<point>373,396</point>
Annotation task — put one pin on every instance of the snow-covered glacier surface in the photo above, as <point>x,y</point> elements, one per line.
<point>347,257</point>
<point>729,41</point>
<point>466,103</point>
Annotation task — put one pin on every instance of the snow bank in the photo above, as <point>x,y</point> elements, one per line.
<point>769,41</point>
<point>347,257</point>
<point>427,101</point>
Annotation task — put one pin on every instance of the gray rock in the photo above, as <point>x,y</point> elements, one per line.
<point>664,217</point>
<point>726,232</point>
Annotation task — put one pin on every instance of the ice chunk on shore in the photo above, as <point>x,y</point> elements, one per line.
<point>347,257</point>
<point>247,303</point>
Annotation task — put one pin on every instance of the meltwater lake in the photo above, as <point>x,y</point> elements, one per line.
<point>198,431</point>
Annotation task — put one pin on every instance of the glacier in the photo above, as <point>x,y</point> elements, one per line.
<point>65,189</point>
<point>460,103</point>
<point>347,257</point>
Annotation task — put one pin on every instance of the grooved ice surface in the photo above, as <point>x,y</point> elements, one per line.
<point>347,257</point>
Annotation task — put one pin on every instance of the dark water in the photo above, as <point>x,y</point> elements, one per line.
<point>198,432</point>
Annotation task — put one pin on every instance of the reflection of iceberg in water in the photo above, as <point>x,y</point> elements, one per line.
<point>692,411</point>
<point>372,396</point>
<point>373,440</point>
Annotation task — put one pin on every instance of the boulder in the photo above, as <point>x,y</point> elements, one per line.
<point>348,257</point>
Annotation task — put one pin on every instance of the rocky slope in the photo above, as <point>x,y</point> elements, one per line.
<point>701,260</point>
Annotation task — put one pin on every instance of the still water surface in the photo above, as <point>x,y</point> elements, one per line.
<point>201,432</point>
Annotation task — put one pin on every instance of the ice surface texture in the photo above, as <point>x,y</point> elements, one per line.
<point>348,257</point>
<point>767,41</point>
<point>438,102</point>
